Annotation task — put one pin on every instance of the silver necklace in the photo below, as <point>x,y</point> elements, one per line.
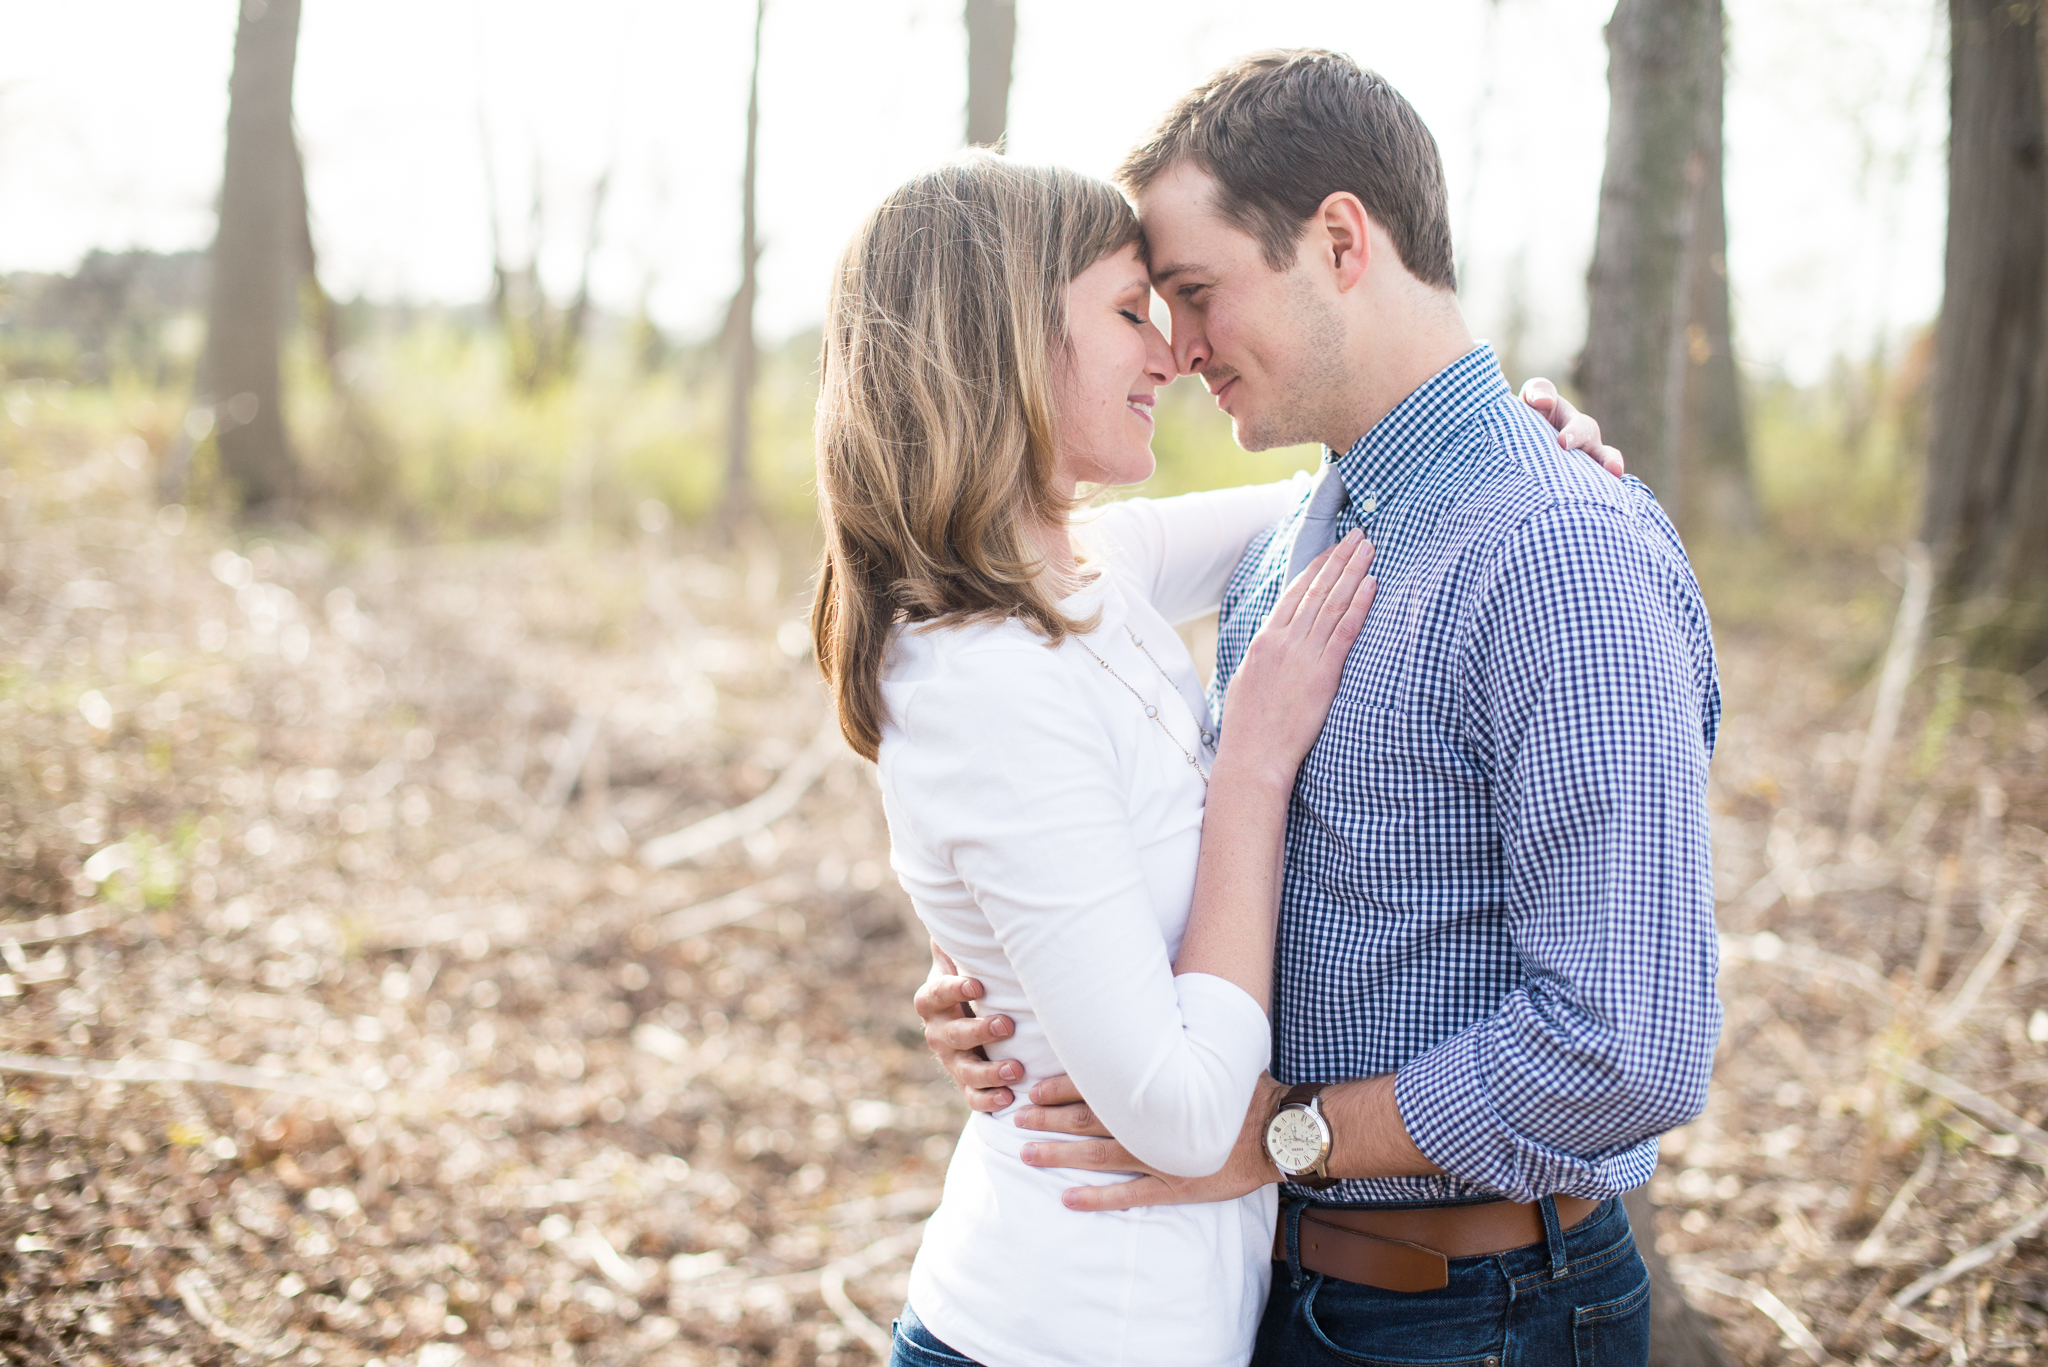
<point>1151,710</point>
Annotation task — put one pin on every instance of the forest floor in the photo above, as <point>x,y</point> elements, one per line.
<point>344,1020</point>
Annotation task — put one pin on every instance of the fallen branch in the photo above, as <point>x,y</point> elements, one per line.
<point>196,1293</point>
<point>1965,997</point>
<point>1918,1324</point>
<point>832,1286</point>
<point>46,928</point>
<point>1767,948</point>
<point>1872,1248</point>
<point>178,1070</point>
<point>502,923</point>
<point>1973,1258</point>
<point>1763,1299</point>
<point>1971,1100</point>
<point>588,1245</point>
<point>729,825</point>
<point>914,1201</point>
<point>1891,685</point>
<point>562,778</point>
<point>734,907</point>
<point>855,1264</point>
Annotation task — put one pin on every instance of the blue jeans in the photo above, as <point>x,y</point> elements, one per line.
<point>917,1346</point>
<point>1582,1300</point>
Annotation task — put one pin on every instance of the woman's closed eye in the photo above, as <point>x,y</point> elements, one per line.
<point>1131,318</point>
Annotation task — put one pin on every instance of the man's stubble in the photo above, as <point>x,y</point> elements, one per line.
<point>1308,382</point>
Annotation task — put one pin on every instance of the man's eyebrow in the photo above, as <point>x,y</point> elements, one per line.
<point>1165,273</point>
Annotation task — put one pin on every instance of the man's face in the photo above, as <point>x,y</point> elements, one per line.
<point>1269,344</point>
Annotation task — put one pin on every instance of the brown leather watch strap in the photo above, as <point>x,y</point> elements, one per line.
<point>1301,1093</point>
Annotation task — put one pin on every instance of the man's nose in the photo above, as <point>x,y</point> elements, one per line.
<point>1190,349</point>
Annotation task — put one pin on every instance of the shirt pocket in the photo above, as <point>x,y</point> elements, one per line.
<point>1390,807</point>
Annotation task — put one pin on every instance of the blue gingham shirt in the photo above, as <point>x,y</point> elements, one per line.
<point>1497,879</point>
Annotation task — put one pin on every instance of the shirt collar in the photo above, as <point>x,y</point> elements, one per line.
<point>1410,439</point>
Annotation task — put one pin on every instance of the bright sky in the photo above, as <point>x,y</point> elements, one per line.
<point>111,119</point>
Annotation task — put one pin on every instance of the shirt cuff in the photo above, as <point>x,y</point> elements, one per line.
<point>1446,1102</point>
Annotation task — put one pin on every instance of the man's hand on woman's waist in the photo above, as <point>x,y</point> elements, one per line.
<point>1368,1137</point>
<point>959,1039</point>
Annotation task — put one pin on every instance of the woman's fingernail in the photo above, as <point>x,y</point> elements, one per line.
<point>1071,1200</point>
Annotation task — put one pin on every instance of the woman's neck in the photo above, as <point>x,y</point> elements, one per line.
<point>1054,543</point>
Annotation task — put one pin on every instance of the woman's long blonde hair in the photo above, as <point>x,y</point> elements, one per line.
<point>935,431</point>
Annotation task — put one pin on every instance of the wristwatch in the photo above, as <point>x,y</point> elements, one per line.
<point>1298,1137</point>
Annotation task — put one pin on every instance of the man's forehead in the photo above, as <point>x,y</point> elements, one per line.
<point>1183,228</point>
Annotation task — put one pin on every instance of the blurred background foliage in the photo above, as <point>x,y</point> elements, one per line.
<point>453,449</point>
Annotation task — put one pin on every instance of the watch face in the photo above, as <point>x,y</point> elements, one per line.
<point>1295,1140</point>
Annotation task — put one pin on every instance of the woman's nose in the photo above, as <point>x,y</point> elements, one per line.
<point>1160,366</point>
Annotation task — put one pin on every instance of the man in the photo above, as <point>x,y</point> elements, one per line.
<point>1496,953</point>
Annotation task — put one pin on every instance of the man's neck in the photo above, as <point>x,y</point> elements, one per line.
<point>1414,337</point>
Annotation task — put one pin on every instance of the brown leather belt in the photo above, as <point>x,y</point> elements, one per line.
<point>1410,1250</point>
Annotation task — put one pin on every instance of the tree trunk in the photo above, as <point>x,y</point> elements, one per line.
<point>738,500</point>
<point>1986,514</point>
<point>1661,56</point>
<point>255,262</point>
<point>1713,439</point>
<point>991,43</point>
<point>1679,1335</point>
<point>1645,370</point>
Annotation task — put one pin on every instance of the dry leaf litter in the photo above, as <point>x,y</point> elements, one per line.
<point>426,955</point>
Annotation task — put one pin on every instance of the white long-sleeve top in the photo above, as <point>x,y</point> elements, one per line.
<point>1046,829</point>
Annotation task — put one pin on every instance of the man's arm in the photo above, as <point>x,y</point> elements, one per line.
<point>1588,674</point>
<point>1365,1123</point>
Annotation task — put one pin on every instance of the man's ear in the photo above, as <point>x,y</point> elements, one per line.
<point>1347,238</point>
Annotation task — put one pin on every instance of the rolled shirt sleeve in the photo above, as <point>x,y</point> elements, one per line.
<point>1584,702</point>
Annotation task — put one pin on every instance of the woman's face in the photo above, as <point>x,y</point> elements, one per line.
<point>1105,383</point>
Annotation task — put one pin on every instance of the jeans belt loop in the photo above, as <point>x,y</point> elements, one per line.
<point>1290,1211</point>
<point>1553,1236</point>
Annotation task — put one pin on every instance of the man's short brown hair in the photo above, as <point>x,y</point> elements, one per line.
<point>1283,131</point>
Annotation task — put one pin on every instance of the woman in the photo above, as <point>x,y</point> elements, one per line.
<point>1045,752</point>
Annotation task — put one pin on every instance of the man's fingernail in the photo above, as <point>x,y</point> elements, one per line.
<point>1071,1200</point>
<point>1012,1071</point>
<point>1029,1153</point>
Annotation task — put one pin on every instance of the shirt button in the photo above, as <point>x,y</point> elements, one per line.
<point>1151,711</point>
